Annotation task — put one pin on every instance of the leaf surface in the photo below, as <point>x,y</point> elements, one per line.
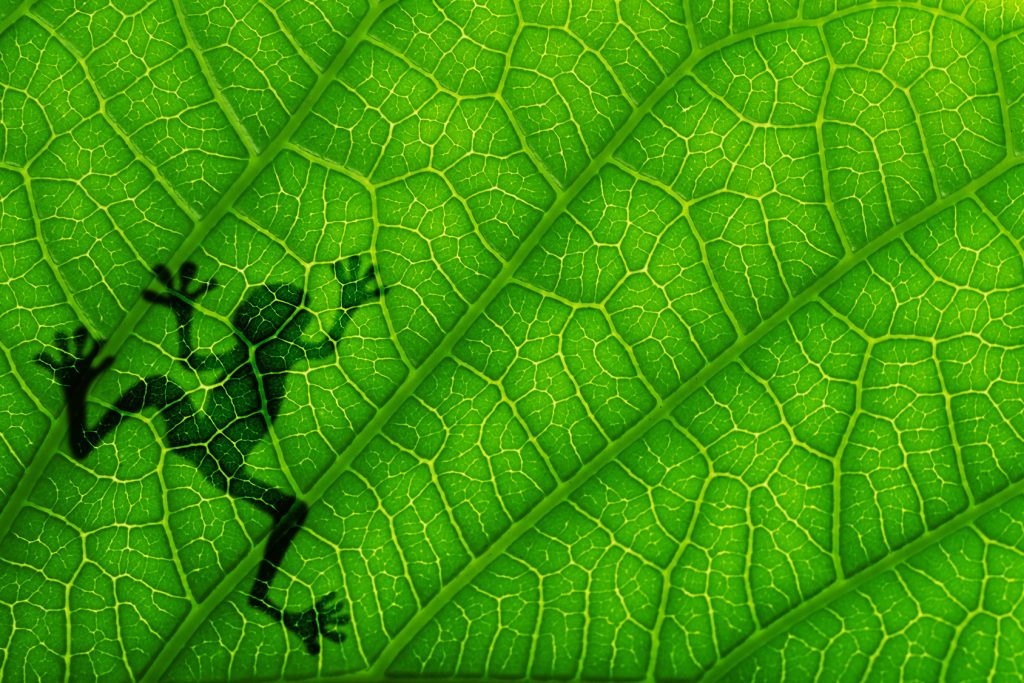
<point>699,353</point>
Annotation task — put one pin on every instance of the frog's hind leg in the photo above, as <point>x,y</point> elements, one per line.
<point>287,522</point>
<point>289,515</point>
<point>323,619</point>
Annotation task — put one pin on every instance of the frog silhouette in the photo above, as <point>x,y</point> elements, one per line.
<point>269,327</point>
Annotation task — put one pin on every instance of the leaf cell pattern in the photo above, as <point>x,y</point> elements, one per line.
<point>700,356</point>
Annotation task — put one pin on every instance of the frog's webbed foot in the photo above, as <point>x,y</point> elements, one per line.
<point>324,620</point>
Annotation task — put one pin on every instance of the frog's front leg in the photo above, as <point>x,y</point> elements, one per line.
<point>183,291</point>
<point>74,367</point>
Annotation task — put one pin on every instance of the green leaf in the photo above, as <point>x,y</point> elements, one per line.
<point>698,350</point>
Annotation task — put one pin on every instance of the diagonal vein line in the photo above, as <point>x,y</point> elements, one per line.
<point>822,600</point>
<point>216,89</point>
<point>15,14</point>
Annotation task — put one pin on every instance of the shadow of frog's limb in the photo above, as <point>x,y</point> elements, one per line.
<point>326,618</point>
<point>74,368</point>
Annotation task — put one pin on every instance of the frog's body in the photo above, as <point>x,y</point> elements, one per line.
<point>241,406</point>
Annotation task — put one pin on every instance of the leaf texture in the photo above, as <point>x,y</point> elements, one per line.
<point>699,351</point>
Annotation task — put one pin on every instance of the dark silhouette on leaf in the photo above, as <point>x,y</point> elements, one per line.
<point>268,326</point>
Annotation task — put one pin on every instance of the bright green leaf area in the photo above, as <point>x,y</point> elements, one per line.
<point>701,354</point>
